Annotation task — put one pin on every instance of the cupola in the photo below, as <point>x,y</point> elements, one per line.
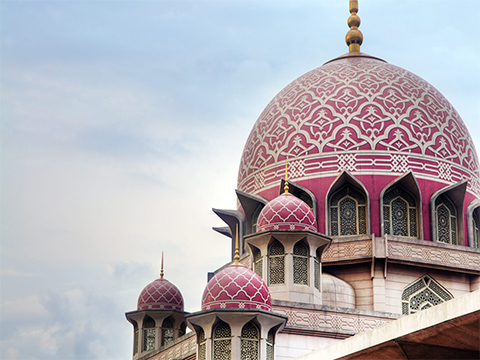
<point>159,319</point>
<point>236,320</point>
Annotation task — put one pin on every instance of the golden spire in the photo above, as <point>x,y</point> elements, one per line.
<point>354,36</point>
<point>237,253</point>
<point>285,188</point>
<point>161,267</point>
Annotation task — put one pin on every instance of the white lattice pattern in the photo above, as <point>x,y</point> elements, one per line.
<point>363,115</point>
<point>236,287</point>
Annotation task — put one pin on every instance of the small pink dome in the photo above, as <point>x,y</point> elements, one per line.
<point>160,294</point>
<point>286,212</point>
<point>236,287</point>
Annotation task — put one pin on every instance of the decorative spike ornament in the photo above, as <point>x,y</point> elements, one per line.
<point>354,36</point>
<point>161,267</point>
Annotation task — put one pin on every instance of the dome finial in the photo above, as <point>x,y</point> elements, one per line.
<point>354,36</point>
<point>237,253</point>
<point>161,267</point>
<point>285,188</point>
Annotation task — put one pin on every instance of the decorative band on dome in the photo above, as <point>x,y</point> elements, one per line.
<point>286,226</point>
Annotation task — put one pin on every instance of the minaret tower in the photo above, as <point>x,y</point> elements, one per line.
<point>159,319</point>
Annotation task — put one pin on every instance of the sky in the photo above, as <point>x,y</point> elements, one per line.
<point>122,126</point>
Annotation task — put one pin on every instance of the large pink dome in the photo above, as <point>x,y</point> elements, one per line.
<point>236,287</point>
<point>365,116</point>
<point>160,294</point>
<point>286,212</point>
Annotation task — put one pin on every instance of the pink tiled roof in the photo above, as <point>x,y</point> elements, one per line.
<point>160,294</point>
<point>236,287</point>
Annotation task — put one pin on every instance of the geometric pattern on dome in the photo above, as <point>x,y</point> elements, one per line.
<point>286,212</point>
<point>362,115</point>
<point>160,294</point>
<point>236,287</point>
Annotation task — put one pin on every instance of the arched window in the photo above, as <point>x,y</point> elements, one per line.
<point>276,264</point>
<point>202,345</point>
<point>316,263</point>
<point>348,212</point>
<point>222,342</point>
<point>167,331</point>
<point>446,216</point>
<point>475,228</point>
<point>300,263</point>
<point>249,342</point>
<point>270,343</point>
<point>148,334</point>
<point>257,258</point>
<point>400,213</point>
<point>423,294</point>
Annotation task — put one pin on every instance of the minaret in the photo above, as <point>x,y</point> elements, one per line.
<point>159,319</point>
<point>354,36</point>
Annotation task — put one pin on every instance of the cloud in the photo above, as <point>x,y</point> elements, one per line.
<point>123,125</point>
<point>69,325</point>
<point>15,273</point>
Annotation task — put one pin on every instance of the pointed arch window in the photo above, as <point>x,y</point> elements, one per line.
<point>270,343</point>
<point>400,213</point>
<point>475,233</point>
<point>475,228</point>
<point>348,212</point>
<point>222,342</point>
<point>167,331</point>
<point>258,262</point>
<point>423,294</point>
<point>316,264</point>
<point>300,263</point>
<point>446,218</point>
<point>276,264</point>
<point>249,342</point>
<point>202,345</point>
<point>148,334</point>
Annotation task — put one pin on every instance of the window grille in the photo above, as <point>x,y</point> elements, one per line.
<point>167,332</point>
<point>202,345</point>
<point>148,334</point>
<point>475,243</point>
<point>400,213</point>
<point>300,263</point>
<point>276,259</point>
<point>249,342</point>
<point>422,294</point>
<point>446,216</point>
<point>222,342</point>
<point>316,263</point>
<point>258,263</point>
<point>270,340</point>
<point>348,212</point>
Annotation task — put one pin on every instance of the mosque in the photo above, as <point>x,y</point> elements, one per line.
<point>356,233</point>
